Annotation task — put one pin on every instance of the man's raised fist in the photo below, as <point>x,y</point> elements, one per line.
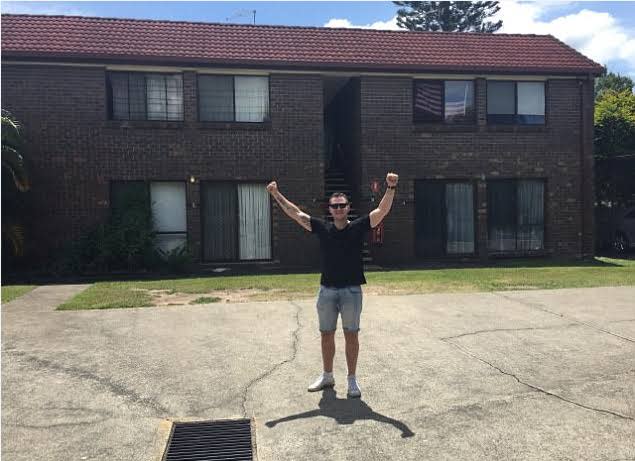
<point>392,179</point>
<point>272,187</point>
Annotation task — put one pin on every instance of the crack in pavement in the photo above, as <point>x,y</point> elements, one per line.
<point>278,365</point>
<point>544,309</point>
<point>537,388</point>
<point>104,382</point>
<point>49,426</point>
<point>511,329</point>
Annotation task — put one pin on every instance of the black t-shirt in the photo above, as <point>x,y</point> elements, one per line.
<point>341,251</point>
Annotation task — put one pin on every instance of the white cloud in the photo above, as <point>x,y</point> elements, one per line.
<point>391,24</point>
<point>50,8</point>
<point>597,35</point>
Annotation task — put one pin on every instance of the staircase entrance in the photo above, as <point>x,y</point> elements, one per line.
<point>342,163</point>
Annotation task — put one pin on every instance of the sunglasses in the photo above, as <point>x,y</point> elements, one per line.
<point>338,205</point>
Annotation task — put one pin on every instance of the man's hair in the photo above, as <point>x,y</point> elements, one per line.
<point>338,194</point>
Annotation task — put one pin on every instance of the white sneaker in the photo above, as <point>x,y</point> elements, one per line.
<point>322,382</point>
<point>353,388</point>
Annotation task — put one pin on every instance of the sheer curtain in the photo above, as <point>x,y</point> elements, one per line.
<point>530,215</point>
<point>168,213</point>
<point>218,211</point>
<point>254,222</point>
<point>252,98</point>
<point>157,103</point>
<point>501,215</point>
<point>460,218</point>
<point>216,98</point>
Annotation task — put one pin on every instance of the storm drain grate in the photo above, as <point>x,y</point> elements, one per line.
<point>211,441</point>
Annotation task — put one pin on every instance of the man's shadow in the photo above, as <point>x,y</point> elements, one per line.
<point>344,411</point>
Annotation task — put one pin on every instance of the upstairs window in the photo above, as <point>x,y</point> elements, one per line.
<point>233,98</point>
<point>143,96</point>
<point>450,101</point>
<point>516,102</point>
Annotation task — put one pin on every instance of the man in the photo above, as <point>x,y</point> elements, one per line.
<point>341,244</point>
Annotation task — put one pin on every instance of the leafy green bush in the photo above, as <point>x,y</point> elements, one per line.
<point>177,260</point>
<point>124,242</point>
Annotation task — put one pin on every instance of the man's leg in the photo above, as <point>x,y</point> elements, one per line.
<point>328,350</point>
<point>327,316</point>
<point>351,313</point>
<point>352,351</point>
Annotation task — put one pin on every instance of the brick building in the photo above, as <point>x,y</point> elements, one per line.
<point>491,134</point>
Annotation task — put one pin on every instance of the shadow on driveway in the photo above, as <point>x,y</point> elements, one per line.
<point>344,411</point>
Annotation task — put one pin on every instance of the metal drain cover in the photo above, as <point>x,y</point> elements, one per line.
<point>211,441</point>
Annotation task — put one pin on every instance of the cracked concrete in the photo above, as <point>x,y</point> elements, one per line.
<point>294,351</point>
<point>531,375</point>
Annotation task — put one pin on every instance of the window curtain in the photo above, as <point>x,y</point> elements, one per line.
<point>137,93</point>
<point>430,220</point>
<point>168,214</point>
<point>251,98</point>
<point>531,102</point>
<point>254,222</point>
<point>174,93</point>
<point>501,102</point>
<point>501,215</point>
<point>459,218</point>
<point>220,227</point>
<point>530,215</point>
<point>216,97</point>
<point>119,88</point>
<point>157,104</point>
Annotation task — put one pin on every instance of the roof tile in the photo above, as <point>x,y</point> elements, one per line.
<point>76,37</point>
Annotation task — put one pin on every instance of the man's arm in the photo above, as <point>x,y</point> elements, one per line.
<point>289,208</point>
<point>382,210</point>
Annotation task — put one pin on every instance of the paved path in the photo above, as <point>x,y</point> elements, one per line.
<point>533,375</point>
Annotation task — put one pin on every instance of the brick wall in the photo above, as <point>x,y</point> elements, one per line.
<point>75,152</point>
<point>392,141</point>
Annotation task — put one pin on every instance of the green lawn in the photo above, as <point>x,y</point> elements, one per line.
<point>11,292</point>
<point>509,275</point>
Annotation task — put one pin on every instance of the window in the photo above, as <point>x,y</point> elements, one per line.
<point>165,205</point>
<point>444,218</point>
<point>450,101</point>
<point>236,221</point>
<point>516,102</point>
<point>515,215</point>
<point>140,96</point>
<point>169,215</point>
<point>233,98</point>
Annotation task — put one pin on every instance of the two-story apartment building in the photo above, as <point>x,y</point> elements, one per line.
<point>491,134</point>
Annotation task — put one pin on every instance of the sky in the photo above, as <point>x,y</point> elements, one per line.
<point>603,31</point>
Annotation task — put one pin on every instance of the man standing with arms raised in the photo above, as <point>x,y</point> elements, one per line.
<point>341,244</point>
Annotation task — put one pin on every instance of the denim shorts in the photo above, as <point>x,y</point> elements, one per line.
<point>333,301</point>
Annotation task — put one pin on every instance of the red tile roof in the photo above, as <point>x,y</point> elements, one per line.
<point>169,42</point>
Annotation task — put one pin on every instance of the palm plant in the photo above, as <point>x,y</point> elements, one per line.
<point>14,164</point>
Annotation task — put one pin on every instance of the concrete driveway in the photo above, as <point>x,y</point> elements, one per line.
<point>532,375</point>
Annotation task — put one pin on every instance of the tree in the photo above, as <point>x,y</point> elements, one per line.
<point>614,82</point>
<point>615,124</point>
<point>448,16</point>
<point>614,146</point>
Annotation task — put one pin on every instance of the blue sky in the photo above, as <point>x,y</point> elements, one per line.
<point>603,31</point>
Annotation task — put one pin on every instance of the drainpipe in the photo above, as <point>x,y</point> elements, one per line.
<point>586,196</point>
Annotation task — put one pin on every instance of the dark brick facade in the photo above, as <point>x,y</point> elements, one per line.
<point>559,152</point>
<point>75,151</point>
